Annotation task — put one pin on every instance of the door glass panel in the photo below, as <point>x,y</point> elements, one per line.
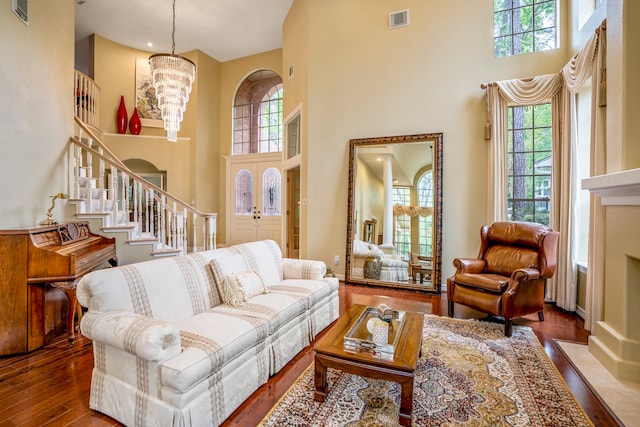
<point>244,192</point>
<point>271,192</point>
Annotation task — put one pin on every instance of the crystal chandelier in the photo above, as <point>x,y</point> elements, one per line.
<point>172,77</point>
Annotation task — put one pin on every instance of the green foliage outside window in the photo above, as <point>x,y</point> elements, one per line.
<point>523,26</point>
<point>529,163</point>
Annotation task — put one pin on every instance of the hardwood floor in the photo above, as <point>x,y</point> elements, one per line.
<point>50,386</point>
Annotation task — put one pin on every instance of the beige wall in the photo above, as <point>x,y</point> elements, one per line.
<point>295,55</point>
<point>365,80</point>
<point>205,102</point>
<point>36,109</point>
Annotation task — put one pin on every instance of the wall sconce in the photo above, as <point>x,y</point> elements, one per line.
<point>50,220</point>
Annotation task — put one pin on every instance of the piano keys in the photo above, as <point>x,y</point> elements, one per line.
<point>33,262</point>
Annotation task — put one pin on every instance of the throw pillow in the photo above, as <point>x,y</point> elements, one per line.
<point>221,267</point>
<point>232,292</point>
<point>239,287</point>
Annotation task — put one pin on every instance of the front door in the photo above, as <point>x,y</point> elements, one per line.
<point>254,204</point>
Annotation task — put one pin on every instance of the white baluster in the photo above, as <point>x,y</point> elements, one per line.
<point>162,221</point>
<point>194,220</point>
<point>126,181</point>
<point>174,226</point>
<point>150,213</point>
<point>184,231</point>
<point>113,194</point>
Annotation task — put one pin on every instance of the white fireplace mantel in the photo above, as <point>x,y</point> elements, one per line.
<point>616,189</point>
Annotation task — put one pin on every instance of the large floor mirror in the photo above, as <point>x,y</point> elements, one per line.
<point>394,230</point>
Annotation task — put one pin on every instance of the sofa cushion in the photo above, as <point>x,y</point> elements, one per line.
<point>313,290</point>
<point>293,268</point>
<point>210,340</point>
<point>142,288</point>
<point>264,257</point>
<point>276,309</point>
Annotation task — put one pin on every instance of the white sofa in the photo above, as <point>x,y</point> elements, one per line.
<point>392,268</point>
<point>168,349</point>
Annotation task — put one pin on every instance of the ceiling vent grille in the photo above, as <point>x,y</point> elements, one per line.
<point>399,19</point>
<point>19,7</point>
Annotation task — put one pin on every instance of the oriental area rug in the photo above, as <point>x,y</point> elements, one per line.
<point>469,374</point>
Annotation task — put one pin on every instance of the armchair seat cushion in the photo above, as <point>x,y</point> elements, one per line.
<point>393,263</point>
<point>488,282</point>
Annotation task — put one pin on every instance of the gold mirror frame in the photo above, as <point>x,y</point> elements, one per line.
<point>353,221</point>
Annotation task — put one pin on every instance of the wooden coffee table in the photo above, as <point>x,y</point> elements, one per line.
<point>330,353</point>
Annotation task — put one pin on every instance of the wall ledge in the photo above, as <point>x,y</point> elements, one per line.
<point>616,189</point>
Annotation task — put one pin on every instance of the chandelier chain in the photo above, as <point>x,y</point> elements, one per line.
<point>173,31</point>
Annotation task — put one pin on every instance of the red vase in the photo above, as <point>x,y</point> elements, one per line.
<point>135,125</point>
<point>121,117</point>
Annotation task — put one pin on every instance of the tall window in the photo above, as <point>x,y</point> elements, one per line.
<point>257,114</point>
<point>425,223</point>
<point>524,26</point>
<point>271,121</point>
<point>583,157</point>
<point>529,163</point>
<point>402,229</point>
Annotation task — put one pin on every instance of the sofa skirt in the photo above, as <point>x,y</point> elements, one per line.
<point>208,403</point>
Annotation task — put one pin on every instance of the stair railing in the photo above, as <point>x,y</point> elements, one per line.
<point>87,100</point>
<point>134,202</point>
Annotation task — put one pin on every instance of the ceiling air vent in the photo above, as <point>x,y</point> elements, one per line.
<point>19,7</point>
<point>399,19</point>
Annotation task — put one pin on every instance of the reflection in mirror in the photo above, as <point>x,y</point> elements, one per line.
<point>395,211</point>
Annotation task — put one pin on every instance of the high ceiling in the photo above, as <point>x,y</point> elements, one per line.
<point>223,29</point>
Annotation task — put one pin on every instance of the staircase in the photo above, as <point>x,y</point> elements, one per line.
<point>147,221</point>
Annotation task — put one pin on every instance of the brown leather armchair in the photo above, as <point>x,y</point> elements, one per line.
<point>508,277</point>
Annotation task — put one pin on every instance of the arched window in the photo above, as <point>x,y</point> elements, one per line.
<point>425,223</point>
<point>257,114</point>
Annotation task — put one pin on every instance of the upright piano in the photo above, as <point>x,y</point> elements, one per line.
<point>34,262</point>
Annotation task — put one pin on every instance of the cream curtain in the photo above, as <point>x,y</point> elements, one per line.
<point>497,160</point>
<point>560,90</point>
<point>566,185</point>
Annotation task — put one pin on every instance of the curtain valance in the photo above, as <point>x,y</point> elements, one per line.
<point>531,91</point>
<point>412,211</point>
<point>578,70</point>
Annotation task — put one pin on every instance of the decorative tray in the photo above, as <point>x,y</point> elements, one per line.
<point>360,339</point>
